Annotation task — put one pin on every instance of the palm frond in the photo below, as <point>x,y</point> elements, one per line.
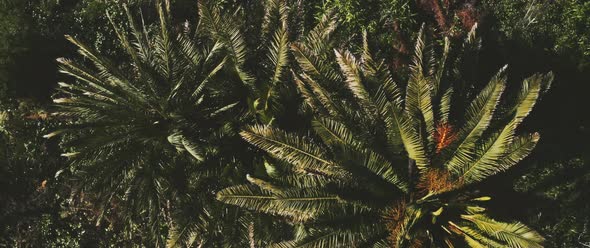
<point>419,91</point>
<point>278,56</point>
<point>229,35</point>
<point>275,16</point>
<point>316,95</point>
<point>398,124</point>
<point>334,133</point>
<point>514,234</point>
<point>302,153</point>
<point>352,73</point>
<point>299,205</point>
<point>381,167</point>
<point>501,147</point>
<point>445,106</point>
<point>182,236</point>
<point>478,117</point>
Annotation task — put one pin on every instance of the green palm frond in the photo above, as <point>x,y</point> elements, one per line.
<point>279,55</point>
<point>314,47</point>
<point>381,167</point>
<point>181,237</point>
<point>498,154</point>
<point>530,92</point>
<point>327,239</point>
<point>377,72</point>
<point>398,123</point>
<point>275,16</point>
<point>222,29</point>
<point>419,91</point>
<point>502,147</point>
<point>478,117</point>
<point>351,70</point>
<point>510,234</point>
<point>316,95</point>
<point>302,153</point>
<point>440,70</point>
<point>474,238</point>
<point>334,132</point>
<point>318,39</point>
<point>299,205</point>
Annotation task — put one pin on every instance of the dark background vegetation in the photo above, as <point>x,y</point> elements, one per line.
<point>549,190</point>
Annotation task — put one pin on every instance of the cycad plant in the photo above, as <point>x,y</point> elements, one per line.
<point>146,133</point>
<point>259,51</point>
<point>392,168</point>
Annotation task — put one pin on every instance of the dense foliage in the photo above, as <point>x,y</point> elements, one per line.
<point>322,117</point>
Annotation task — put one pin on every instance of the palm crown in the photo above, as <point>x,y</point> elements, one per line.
<point>347,184</point>
<point>147,130</point>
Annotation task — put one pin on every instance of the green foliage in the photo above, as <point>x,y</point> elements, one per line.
<point>563,211</point>
<point>34,206</point>
<point>561,26</point>
<point>389,22</point>
<point>13,29</point>
<point>371,15</point>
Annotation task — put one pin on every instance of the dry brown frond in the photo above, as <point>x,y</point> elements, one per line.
<point>444,135</point>
<point>393,220</point>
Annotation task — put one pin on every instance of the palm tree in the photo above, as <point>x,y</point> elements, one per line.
<point>392,168</point>
<point>146,133</point>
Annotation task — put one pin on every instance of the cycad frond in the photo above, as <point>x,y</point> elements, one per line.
<point>511,234</point>
<point>478,117</point>
<point>304,154</point>
<point>501,147</point>
<point>351,70</point>
<point>182,236</point>
<point>419,102</point>
<point>445,106</point>
<point>318,39</point>
<point>275,16</point>
<point>279,55</point>
<point>222,30</point>
<point>299,205</point>
<point>317,96</point>
<point>314,48</point>
<point>333,132</point>
<point>404,126</point>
